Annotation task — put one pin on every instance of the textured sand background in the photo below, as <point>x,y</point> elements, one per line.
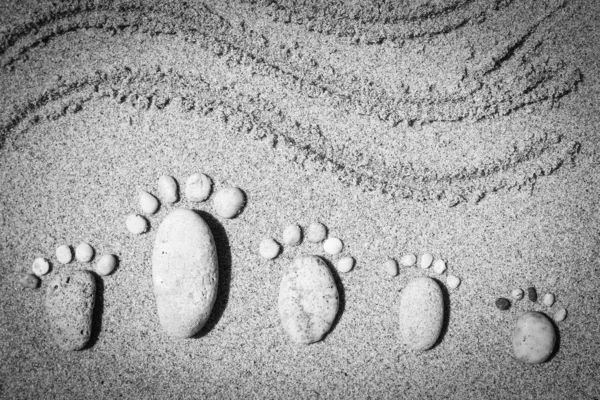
<point>464,128</point>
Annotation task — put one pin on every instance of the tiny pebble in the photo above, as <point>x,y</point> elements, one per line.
<point>40,266</point>
<point>84,252</point>
<point>439,266</point>
<point>503,304</point>
<point>29,281</point>
<point>548,299</point>
<point>292,235</point>
<point>517,294</point>
<point>316,232</point>
<point>560,315</point>
<point>408,260</point>
<point>269,248</point>
<point>167,189</point>
<point>229,201</point>
<point>148,203</point>
<point>426,260</point>
<point>106,265</point>
<point>532,294</point>
<point>391,267</point>
<point>452,281</point>
<point>136,224</point>
<point>333,246</point>
<point>198,187</point>
<point>64,255</point>
<point>345,264</point>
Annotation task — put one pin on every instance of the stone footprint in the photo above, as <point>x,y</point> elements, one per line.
<point>185,264</point>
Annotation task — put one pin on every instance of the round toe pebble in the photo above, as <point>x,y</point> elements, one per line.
<point>391,267</point>
<point>136,224</point>
<point>292,235</point>
<point>345,264</point>
<point>426,260</point>
<point>167,189</point>
<point>148,203</point>
<point>269,249</point>
<point>198,187</point>
<point>29,281</point>
<point>316,232</point>
<point>439,266</point>
<point>64,255</point>
<point>408,260</point>
<point>40,266</point>
<point>502,304</point>
<point>228,202</point>
<point>106,265</point>
<point>548,299</point>
<point>84,252</point>
<point>560,315</point>
<point>452,281</point>
<point>333,246</point>
<point>517,294</point>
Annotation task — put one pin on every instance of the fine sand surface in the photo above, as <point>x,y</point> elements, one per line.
<point>465,128</point>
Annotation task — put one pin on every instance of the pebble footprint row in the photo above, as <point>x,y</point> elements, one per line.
<point>309,300</point>
<point>185,268</point>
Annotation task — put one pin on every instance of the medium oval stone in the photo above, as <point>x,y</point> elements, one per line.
<point>70,299</point>
<point>533,338</point>
<point>185,273</point>
<point>421,314</point>
<point>308,300</point>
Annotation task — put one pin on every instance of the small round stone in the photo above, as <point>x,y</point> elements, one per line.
<point>64,255</point>
<point>40,266</point>
<point>228,202</point>
<point>106,265</point>
<point>452,281</point>
<point>148,203</point>
<point>439,266</point>
<point>316,232</point>
<point>136,224</point>
<point>333,246</point>
<point>269,249</point>
<point>198,187</point>
<point>408,260</point>
<point>503,304</point>
<point>548,299</point>
<point>560,315</point>
<point>84,252</point>
<point>532,294</point>
<point>167,189</point>
<point>426,260</point>
<point>345,264</point>
<point>517,294</point>
<point>292,235</point>
<point>29,281</point>
<point>391,267</point>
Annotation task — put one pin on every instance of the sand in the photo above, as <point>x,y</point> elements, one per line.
<point>466,129</point>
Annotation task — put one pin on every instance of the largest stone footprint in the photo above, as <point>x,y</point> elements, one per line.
<point>185,273</point>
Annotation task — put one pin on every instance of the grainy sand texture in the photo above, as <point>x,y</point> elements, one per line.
<point>468,129</point>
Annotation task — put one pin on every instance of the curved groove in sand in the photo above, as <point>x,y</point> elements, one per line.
<point>374,22</point>
<point>481,93</point>
<point>259,119</point>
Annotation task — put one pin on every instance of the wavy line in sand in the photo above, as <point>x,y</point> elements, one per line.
<point>258,119</point>
<point>516,74</point>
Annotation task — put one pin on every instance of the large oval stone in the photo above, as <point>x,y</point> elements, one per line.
<point>308,300</point>
<point>533,338</point>
<point>70,299</point>
<point>421,314</point>
<point>185,273</point>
